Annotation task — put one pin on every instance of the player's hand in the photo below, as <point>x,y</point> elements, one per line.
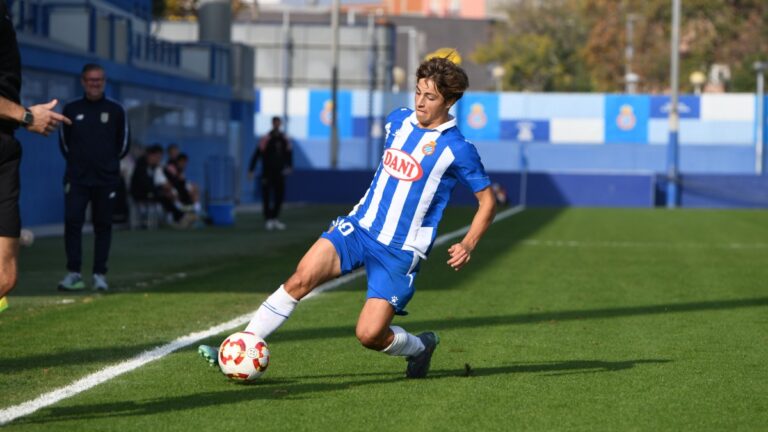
<point>287,171</point>
<point>459,256</point>
<point>46,120</point>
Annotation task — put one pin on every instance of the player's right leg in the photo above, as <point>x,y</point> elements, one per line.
<point>75,204</point>
<point>320,264</point>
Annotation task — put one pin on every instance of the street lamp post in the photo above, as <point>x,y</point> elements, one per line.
<point>672,147</point>
<point>760,68</point>
<point>498,75</point>
<point>630,78</point>
<point>334,84</point>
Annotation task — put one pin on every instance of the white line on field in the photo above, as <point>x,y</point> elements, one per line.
<point>9,414</point>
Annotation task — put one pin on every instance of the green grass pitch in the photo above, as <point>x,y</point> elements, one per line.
<point>577,319</point>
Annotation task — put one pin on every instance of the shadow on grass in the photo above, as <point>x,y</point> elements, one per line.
<point>304,387</point>
<point>107,354</point>
<point>532,318</point>
<point>82,356</point>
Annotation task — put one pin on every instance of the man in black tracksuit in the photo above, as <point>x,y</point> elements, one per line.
<point>277,152</point>
<point>93,146</point>
<point>40,119</point>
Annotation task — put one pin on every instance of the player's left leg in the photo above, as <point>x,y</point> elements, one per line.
<point>391,275</point>
<point>279,187</point>
<point>373,325</point>
<point>102,206</point>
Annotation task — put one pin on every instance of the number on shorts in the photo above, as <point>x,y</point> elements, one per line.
<point>346,228</point>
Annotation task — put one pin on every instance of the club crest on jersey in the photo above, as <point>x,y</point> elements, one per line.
<point>429,148</point>
<point>401,165</point>
<point>104,117</point>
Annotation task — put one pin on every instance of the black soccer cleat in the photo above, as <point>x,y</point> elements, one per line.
<point>418,365</point>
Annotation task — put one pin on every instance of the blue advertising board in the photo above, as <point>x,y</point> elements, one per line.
<point>687,106</point>
<point>320,111</point>
<point>626,119</point>
<point>524,130</point>
<point>479,116</point>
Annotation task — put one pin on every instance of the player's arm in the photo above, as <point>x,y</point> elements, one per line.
<point>460,253</point>
<point>45,120</point>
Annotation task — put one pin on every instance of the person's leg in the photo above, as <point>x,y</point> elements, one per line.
<point>391,276</point>
<point>10,220</point>
<point>9,252</point>
<point>75,203</point>
<point>373,325</point>
<point>279,186</point>
<point>338,251</point>
<point>320,264</point>
<point>266,189</point>
<point>102,206</point>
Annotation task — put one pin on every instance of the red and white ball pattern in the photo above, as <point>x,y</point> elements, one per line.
<point>243,356</point>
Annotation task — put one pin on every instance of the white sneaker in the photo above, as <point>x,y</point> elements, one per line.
<point>278,225</point>
<point>100,282</point>
<point>72,282</point>
<point>270,225</point>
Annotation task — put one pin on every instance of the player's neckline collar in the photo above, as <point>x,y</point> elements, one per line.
<point>440,128</point>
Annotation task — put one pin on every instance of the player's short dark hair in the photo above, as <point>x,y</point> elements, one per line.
<point>449,78</point>
<point>89,67</point>
<point>182,157</point>
<point>276,119</point>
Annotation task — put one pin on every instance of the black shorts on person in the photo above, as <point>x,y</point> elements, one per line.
<point>10,158</point>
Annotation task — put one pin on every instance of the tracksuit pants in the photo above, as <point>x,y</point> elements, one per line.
<point>76,199</point>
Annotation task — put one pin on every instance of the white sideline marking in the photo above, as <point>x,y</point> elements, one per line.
<point>9,414</point>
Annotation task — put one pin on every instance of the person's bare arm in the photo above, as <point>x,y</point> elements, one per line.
<point>45,121</point>
<point>460,253</point>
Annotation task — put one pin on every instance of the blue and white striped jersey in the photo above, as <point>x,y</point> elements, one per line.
<point>412,186</point>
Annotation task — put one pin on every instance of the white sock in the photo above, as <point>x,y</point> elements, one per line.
<point>404,344</point>
<point>272,313</point>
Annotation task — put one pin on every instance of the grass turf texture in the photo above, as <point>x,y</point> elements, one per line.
<point>578,319</point>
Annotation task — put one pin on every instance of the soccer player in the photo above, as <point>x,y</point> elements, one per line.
<point>40,119</point>
<point>393,226</point>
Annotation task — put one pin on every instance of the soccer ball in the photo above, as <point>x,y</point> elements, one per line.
<point>243,356</point>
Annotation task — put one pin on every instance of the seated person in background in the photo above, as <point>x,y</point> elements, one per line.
<point>187,193</point>
<point>149,184</point>
<point>173,153</point>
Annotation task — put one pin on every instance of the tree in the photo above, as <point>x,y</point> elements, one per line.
<point>567,45</point>
<point>538,46</point>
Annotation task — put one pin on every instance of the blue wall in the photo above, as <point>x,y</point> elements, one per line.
<point>201,128</point>
<point>542,189</point>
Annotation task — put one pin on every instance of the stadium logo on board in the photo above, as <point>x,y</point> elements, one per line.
<point>626,119</point>
<point>429,148</point>
<point>401,165</point>
<point>525,131</point>
<point>477,118</point>
<point>326,115</point>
